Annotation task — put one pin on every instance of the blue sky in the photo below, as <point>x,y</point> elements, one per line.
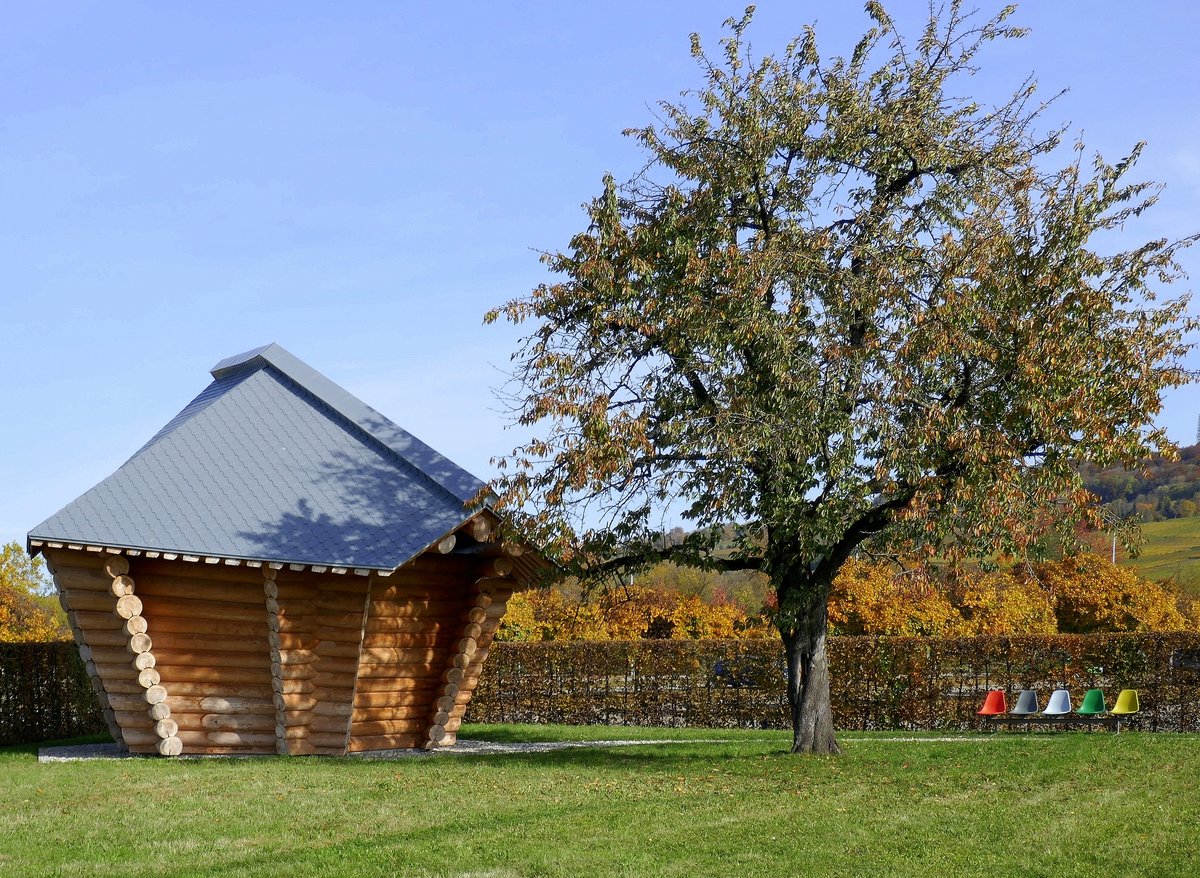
<point>360,182</point>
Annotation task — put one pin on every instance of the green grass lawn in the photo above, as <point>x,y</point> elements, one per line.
<point>1172,549</point>
<point>1070,804</point>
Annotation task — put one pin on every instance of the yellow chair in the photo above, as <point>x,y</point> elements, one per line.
<point>1127,703</point>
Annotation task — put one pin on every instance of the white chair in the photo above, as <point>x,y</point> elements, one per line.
<point>1059,703</point>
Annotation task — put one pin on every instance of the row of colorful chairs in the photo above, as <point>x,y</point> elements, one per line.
<point>1059,704</point>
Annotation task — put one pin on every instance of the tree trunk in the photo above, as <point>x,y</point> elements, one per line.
<point>808,678</point>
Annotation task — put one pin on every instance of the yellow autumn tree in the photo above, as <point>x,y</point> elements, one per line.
<point>26,615</point>
<point>870,598</point>
<point>1090,593</point>
<point>1004,603</point>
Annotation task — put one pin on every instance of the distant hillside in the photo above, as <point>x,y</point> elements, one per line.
<point>1171,551</point>
<point>1159,490</point>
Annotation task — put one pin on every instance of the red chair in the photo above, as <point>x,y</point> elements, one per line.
<point>994,704</point>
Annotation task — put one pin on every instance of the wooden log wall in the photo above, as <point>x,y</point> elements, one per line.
<point>493,595</point>
<point>212,648</point>
<point>413,626</point>
<point>110,626</point>
<point>267,658</point>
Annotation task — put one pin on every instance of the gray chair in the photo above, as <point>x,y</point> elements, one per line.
<point>1027,704</point>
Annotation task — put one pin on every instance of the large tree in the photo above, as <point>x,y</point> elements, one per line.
<point>848,309</point>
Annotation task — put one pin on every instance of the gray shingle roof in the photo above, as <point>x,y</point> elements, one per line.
<point>274,462</point>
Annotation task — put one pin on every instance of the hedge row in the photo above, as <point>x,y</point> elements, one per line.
<point>878,682</point>
<point>45,694</point>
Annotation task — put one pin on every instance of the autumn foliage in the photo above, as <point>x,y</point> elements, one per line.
<point>1078,595</point>
<point>25,615</point>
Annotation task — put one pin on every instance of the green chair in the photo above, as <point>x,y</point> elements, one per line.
<point>1093,703</point>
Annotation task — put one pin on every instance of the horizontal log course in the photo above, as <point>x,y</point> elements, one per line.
<point>411,713</point>
<point>224,704</point>
<point>217,677</point>
<point>292,718</point>
<point>170,656</point>
<point>301,747</point>
<point>373,700</point>
<point>390,655</point>
<point>137,717</point>
<point>331,665</point>
<point>340,584</point>
<point>299,673</point>
<point>337,648</point>
<point>342,602</point>
<point>409,682</point>
<point>333,680</point>
<point>90,601</point>
<point>296,608</point>
<point>112,655</point>
<point>119,670</point>
<point>201,577</point>
<point>144,738</point>
<point>374,641</point>
<point>382,623</point>
<point>335,741</point>
<point>295,687</point>
<point>327,708</point>
<point>298,640</point>
<point>112,636</point>
<point>222,628</point>
<point>194,610</point>
<point>137,703</point>
<point>210,689</point>
<point>239,722</point>
<point>295,702</point>
<point>412,669</point>
<point>292,733</point>
<point>298,656</point>
<point>333,626</point>
<point>87,578</point>
<point>122,686</point>
<point>178,641</point>
<point>330,724</point>
<point>388,727</point>
<point>363,743</point>
<point>258,740</point>
<point>390,606</point>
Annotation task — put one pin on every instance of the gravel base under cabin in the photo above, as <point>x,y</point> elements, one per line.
<point>81,752</point>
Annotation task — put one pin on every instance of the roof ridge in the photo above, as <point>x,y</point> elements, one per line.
<point>446,474</point>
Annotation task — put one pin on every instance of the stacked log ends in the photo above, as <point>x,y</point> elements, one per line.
<point>485,619</point>
<point>139,648</point>
<point>437,734</point>
<point>271,595</point>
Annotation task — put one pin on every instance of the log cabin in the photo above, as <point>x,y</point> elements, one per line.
<point>282,569</point>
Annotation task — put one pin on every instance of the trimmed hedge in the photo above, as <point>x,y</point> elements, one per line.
<point>45,694</point>
<point>878,682</point>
